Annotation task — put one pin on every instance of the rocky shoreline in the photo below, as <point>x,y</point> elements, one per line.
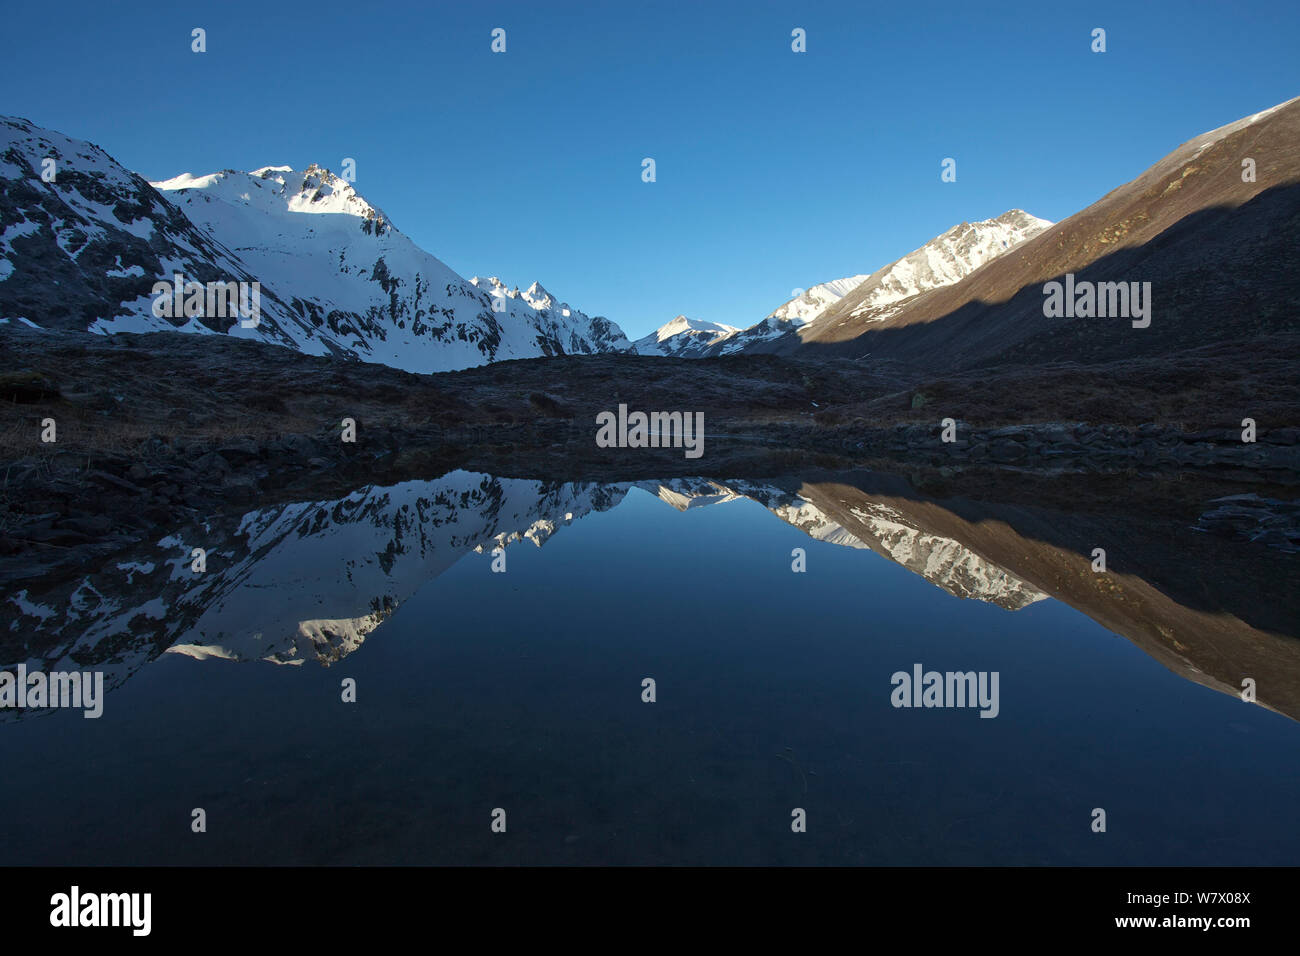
<point>157,431</point>
<point>1275,454</point>
<point>67,506</point>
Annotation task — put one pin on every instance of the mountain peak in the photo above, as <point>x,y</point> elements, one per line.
<point>334,276</point>
<point>944,260</point>
<point>684,336</point>
<point>684,323</point>
<point>280,189</point>
<point>536,296</point>
<point>1018,217</point>
<point>1119,237</point>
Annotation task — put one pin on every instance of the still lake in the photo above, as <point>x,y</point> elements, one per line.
<point>522,690</point>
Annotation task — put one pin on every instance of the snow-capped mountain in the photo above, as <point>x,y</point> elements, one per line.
<point>88,246</point>
<point>684,338</point>
<point>85,250</point>
<point>1193,223</point>
<point>686,493</point>
<point>790,316</point>
<point>945,259</point>
<point>806,307</point>
<point>576,331</point>
<point>385,297</point>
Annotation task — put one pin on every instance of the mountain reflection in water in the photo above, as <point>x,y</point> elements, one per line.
<point>406,569</point>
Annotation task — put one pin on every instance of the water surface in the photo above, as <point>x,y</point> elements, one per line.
<point>522,690</point>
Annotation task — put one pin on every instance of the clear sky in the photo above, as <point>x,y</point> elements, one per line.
<point>775,169</point>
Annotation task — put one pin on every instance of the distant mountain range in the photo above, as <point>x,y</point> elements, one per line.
<point>684,338</point>
<point>337,277</point>
<point>945,259</point>
<point>1213,228</point>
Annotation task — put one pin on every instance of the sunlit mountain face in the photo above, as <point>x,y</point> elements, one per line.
<point>498,631</point>
<point>334,275</point>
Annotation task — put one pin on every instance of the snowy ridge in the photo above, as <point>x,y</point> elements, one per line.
<point>273,189</point>
<point>1200,143</point>
<point>806,307</point>
<point>388,300</point>
<point>874,297</point>
<point>74,250</point>
<point>576,331</point>
<point>336,277</point>
<point>944,260</point>
<point>793,315</point>
<point>683,338</point>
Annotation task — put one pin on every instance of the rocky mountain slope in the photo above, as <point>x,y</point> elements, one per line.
<point>684,338</point>
<point>336,277</point>
<point>812,303</point>
<point>788,317</point>
<point>942,261</point>
<point>1214,227</point>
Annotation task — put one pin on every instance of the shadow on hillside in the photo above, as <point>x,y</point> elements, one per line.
<point>1223,273</point>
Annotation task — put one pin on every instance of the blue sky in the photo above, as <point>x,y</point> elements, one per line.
<point>775,170</point>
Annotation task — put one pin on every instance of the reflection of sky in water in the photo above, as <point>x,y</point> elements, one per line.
<point>523,691</point>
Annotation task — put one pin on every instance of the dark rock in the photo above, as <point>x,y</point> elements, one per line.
<point>93,525</point>
<point>240,487</point>
<point>159,514</point>
<point>1280,436</point>
<point>26,386</point>
<point>302,446</point>
<point>212,465</point>
<point>104,478</point>
<point>240,450</point>
<point>56,536</point>
<point>1007,450</point>
<point>1010,432</point>
<point>1055,434</point>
